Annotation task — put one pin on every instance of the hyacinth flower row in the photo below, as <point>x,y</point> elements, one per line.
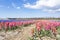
<point>46,28</point>
<point>10,25</point>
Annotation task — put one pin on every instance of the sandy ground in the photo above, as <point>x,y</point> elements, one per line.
<point>17,34</point>
<point>25,34</point>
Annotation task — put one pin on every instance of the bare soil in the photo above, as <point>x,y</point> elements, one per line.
<point>17,34</point>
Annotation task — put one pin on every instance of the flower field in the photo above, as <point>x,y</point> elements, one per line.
<point>45,28</point>
<point>6,24</point>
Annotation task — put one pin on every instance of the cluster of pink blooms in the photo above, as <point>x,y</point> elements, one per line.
<point>5,25</point>
<point>47,25</point>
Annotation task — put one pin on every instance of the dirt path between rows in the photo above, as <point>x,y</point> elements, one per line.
<point>23,35</point>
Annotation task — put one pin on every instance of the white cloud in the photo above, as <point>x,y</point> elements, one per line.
<point>15,6</point>
<point>50,6</point>
<point>18,7</point>
<point>51,11</point>
<point>40,3</point>
<point>58,10</point>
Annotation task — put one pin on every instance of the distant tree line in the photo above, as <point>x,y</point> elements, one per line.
<point>33,18</point>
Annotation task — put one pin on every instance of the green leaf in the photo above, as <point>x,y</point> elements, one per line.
<point>58,30</point>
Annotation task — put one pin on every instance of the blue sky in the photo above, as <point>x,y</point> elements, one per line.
<point>29,8</point>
